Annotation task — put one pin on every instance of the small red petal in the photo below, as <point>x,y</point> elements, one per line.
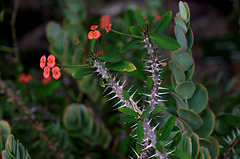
<point>94,27</point>
<point>56,73</point>
<point>90,35</point>
<point>51,57</point>
<point>97,34</point>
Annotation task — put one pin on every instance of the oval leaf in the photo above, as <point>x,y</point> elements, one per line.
<point>195,145</point>
<point>190,38</point>
<point>180,102</point>
<point>199,99</point>
<point>122,66</point>
<point>177,71</point>
<point>181,23</point>
<point>81,72</point>
<point>165,20</point>
<point>145,113</point>
<point>215,150</point>
<point>165,42</point>
<point>206,129</point>
<point>183,11</point>
<point>181,37</point>
<point>183,58</point>
<point>190,117</point>
<point>185,89</point>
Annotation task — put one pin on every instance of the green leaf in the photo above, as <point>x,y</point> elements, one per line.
<point>128,111</point>
<point>128,119</point>
<point>181,23</point>
<point>195,145</point>
<point>206,129</point>
<point>129,17</point>
<point>205,152</point>
<point>166,130</point>
<point>140,132</point>
<point>183,58</point>
<point>110,58</point>
<point>189,73</point>
<point>206,143</point>
<point>145,113</point>
<point>176,140</point>
<point>135,31</point>
<point>165,42</point>
<point>190,38</point>
<point>215,150</point>
<point>180,154</point>
<point>180,102</point>
<point>190,117</point>
<point>177,71</point>
<point>199,99</point>
<point>81,72</point>
<point>159,147</point>
<point>92,45</point>
<point>129,45</point>
<point>122,66</point>
<point>149,84</point>
<point>181,37</point>
<point>183,11</point>
<point>185,89</point>
<point>139,17</point>
<point>101,82</point>
<point>126,95</point>
<point>158,110</point>
<point>164,22</point>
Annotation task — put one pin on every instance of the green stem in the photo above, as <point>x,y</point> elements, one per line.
<point>72,66</point>
<point>126,34</point>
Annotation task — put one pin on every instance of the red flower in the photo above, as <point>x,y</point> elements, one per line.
<point>94,27</point>
<point>158,17</point>
<point>94,34</point>
<point>108,28</point>
<point>25,78</point>
<point>46,80</point>
<point>56,72</point>
<point>46,72</point>
<point>51,61</point>
<point>105,21</point>
<point>43,61</point>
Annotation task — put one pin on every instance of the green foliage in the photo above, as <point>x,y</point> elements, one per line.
<point>81,72</point>
<point>165,42</point>
<point>140,131</point>
<point>122,66</point>
<point>5,130</point>
<point>14,149</point>
<point>82,127</point>
<point>164,22</point>
<point>191,98</point>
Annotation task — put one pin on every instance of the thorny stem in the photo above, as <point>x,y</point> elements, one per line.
<point>13,29</point>
<point>229,150</point>
<point>125,34</point>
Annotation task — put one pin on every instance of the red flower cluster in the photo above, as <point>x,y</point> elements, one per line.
<point>94,34</point>
<point>50,64</point>
<point>25,78</point>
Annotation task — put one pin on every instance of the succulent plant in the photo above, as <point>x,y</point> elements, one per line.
<point>191,98</point>
<point>14,150</point>
<point>83,128</point>
<point>5,130</point>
